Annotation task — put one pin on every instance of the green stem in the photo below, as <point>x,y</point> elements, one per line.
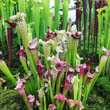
<point>24,64</point>
<point>58,84</point>
<point>44,102</point>
<point>65,13</point>
<point>51,92</point>
<point>80,88</point>
<point>6,71</point>
<point>87,90</point>
<point>21,4</point>
<point>57,8</point>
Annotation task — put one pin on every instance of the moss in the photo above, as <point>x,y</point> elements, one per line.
<point>104,84</point>
<point>11,100</point>
<point>99,98</point>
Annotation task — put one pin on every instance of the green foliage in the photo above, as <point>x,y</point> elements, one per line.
<point>98,99</point>
<point>38,14</point>
<point>65,13</point>
<point>104,32</point>
<point>103,83</point>
<point>57,8</point>
<point>11,100</point>
<point>40,22</point>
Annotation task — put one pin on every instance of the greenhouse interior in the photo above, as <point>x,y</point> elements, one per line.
<point>54,54</point>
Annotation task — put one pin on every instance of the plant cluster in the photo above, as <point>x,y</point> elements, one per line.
<point>87,20</point>
<point>54,77</point>
<point>39,17</point>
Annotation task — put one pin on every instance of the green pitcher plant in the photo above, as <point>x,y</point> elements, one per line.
<point>54,78</point>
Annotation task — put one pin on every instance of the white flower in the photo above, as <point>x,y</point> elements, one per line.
<point>59,49</point>
<point>21,15</point>
<point>51,58</point>
<point>97,69</point>
<point>0,52</point>
<point>73,28</point>
<point>13,17</point>
<point>104,49</point>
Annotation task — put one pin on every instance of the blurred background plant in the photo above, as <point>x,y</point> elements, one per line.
<point>40,15</point>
